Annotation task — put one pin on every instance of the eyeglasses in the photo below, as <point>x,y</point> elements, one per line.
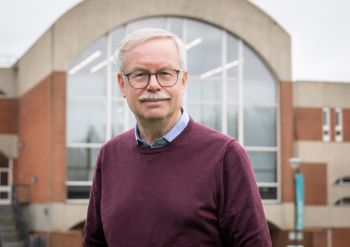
<point>139,79</point>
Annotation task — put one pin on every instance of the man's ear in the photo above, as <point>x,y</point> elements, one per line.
<point>121,84</point>
<point>184,81</point>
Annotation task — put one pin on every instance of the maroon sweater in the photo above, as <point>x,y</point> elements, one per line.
<point>199,190</point>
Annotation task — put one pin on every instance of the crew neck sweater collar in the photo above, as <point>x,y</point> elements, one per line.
<point>168,137</point>
<point>175,142</point>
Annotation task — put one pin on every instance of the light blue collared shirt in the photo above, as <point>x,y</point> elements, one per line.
<point>169,136</point>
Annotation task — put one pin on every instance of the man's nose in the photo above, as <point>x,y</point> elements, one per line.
<point>153,83</point>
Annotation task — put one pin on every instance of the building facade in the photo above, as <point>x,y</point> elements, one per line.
<point>60,102</point>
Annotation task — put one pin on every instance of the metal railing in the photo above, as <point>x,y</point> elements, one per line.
<point>21,224</point>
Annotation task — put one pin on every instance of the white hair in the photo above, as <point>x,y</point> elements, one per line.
<point>140,36</point>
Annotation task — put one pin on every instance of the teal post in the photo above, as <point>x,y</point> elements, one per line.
<point>299,196</point>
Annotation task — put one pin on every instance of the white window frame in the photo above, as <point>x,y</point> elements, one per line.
<point>326,122</point>
<point>338,128</point>
<point>343,181</point>
<point>342,202</point>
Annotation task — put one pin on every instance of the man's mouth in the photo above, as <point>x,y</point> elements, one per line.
<point>153,100</point>
<point>154,97</point>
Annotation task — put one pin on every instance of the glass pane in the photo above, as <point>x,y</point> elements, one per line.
<point>175,26</point>
<point>86,121</point>
<point>131,119</point>
<point>260,126</point>
<point>264,164</point>
<point>208,49</point>
<point>87,75</point>
<point>4,162</point>
<point>117,117</point>
<point>117,35</point>
<point>232,118</point>
<point>4,195</point>
<point>115,88</point>
<point>81,163</point>
<point>4,178</point>
<point>232,73</point>
<point>259,84</point>
<point>209,115</point>
<point>232,89</point>
<point>268,193</point>
<point>232,55</point>
<point>157,22</point>
<point>78,192</point>
<point>207,89</point>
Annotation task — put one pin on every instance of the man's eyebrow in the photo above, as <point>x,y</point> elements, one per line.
<point>140,68</point>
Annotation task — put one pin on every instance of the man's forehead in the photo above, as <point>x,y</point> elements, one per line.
<point>159,52</point>
<point>156,41</point>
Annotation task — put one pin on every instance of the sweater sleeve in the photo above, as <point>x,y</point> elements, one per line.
<point>94,235</point>
<point>241,217</point>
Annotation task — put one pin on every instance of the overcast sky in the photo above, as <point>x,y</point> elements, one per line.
<point>320,32</point>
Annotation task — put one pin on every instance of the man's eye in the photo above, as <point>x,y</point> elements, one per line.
<point>166,73</point>
<point>139,74</point>
<point>163,73</point>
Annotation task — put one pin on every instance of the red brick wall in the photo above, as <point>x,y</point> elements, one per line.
<point>319,238</point>
<point>58,131</point>
<point>312,238</point>
<point>42,134</point>
<point>315,182</point>
<point>67,238</point>
<point>286,113</point>
<point>340,237</point>
<point>308,124</point>
<point>346,125</point>
<point>8,116</point>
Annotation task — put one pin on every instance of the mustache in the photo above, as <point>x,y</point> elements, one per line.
<point>154,96</point>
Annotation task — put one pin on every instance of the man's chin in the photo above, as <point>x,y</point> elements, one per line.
<point>153,114</point>
<point>153,117</point>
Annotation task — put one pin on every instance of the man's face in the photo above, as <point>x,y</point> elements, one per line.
<point>152,56</point>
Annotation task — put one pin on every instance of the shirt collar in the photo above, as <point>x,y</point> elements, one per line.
<point>169,136</point>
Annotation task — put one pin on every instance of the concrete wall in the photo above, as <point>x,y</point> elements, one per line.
<point>8,82</point>
<point>74,31</point>
<point>8,145</point>
<point>321,94</point>
<point>49,217</point>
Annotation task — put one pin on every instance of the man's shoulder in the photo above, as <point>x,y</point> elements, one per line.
<point>208,136</point>
<point>209,133</point>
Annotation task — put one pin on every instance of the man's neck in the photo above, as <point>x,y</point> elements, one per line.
<point>152,130</point>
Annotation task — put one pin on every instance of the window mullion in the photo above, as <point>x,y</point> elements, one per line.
<point>224,82</point>
<point>184,39</point>
<point>109,88</point>
<point>240,94</point>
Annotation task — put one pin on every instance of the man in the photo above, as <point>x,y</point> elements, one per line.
<point>170,181</point>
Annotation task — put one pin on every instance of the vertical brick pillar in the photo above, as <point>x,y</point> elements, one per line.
<point>286,139</point>
<point>41,131</point>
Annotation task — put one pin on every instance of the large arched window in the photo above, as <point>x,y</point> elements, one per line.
<point>229,89</point>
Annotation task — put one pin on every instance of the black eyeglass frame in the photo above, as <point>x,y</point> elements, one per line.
<point>127,75</point>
